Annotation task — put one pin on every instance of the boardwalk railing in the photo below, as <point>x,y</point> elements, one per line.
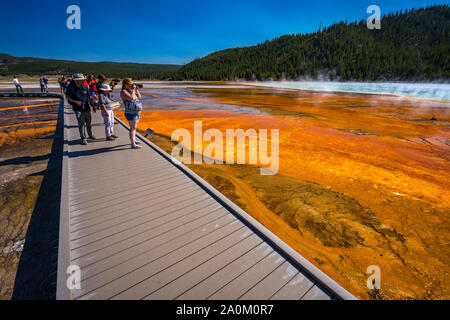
<point>31,95</point>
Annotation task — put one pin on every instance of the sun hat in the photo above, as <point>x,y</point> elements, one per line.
<point>78,76</point>
<point>105,87</point>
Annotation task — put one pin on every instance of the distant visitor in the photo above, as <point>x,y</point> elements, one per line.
<point>18,85</point>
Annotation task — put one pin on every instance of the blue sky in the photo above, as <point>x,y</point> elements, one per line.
<point>164,31</point>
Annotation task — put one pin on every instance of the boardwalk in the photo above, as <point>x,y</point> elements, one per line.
<point>142,227</point>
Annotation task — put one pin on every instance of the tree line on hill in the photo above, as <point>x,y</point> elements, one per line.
<point>411,45</point>
<point>10,65</point>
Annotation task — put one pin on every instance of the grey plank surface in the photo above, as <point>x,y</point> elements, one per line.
<point>268,286</point>
<point>294,289</point>
<point>128,281</point>
<point>244,282</point>
<point>158,243</point>
<point>141,227</point>
<point>208,286</point>
<point>316,293</point>
<point>183,282</point>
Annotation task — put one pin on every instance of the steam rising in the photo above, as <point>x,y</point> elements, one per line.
<point>438,91</point>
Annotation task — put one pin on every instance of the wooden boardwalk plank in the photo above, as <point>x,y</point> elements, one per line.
<point>294,289</point>
<point>316,293</point>
<point>240,285</point>
<point>100,178</point>
<point>163,184</point>
<point>88,190</point>
<point>154,189</point>
<point>203,271</point>
<point>155,282</point>
<point>141,231</point>
<point>110,217</point>
<point>133,226</point>
<point>159,244</point>
<point>131,206</point>
<point>219,279</point>
<point>272,283</point>
<point>114,214</point>
<point>142,184</point>
<point>118,280</point>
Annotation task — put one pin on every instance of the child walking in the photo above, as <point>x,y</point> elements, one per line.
<point>106,106</point>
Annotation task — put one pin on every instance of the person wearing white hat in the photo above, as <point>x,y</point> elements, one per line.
<point>106,106</point>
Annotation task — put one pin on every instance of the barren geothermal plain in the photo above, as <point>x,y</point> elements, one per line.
<point>27,131</point>
<point>363,179</point>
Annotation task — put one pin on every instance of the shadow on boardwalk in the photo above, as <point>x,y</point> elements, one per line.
<point>36,273</point>
<point>91,152</point>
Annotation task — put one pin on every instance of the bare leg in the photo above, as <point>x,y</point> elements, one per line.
<point>111,122</point>
<point>133,127</point>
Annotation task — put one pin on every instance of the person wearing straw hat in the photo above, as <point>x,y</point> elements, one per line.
<point>106,106</point>
<point>77,95</point>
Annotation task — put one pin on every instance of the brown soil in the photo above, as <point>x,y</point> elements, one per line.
<point>24,153</point>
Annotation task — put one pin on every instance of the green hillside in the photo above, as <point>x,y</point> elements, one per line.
<point>411,45</point>
<point>10,65</point>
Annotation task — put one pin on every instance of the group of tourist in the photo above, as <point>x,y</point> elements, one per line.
<point>43,83</point>
<point>91,83</point>
<point>87,93</point>
<point>90,93</point>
